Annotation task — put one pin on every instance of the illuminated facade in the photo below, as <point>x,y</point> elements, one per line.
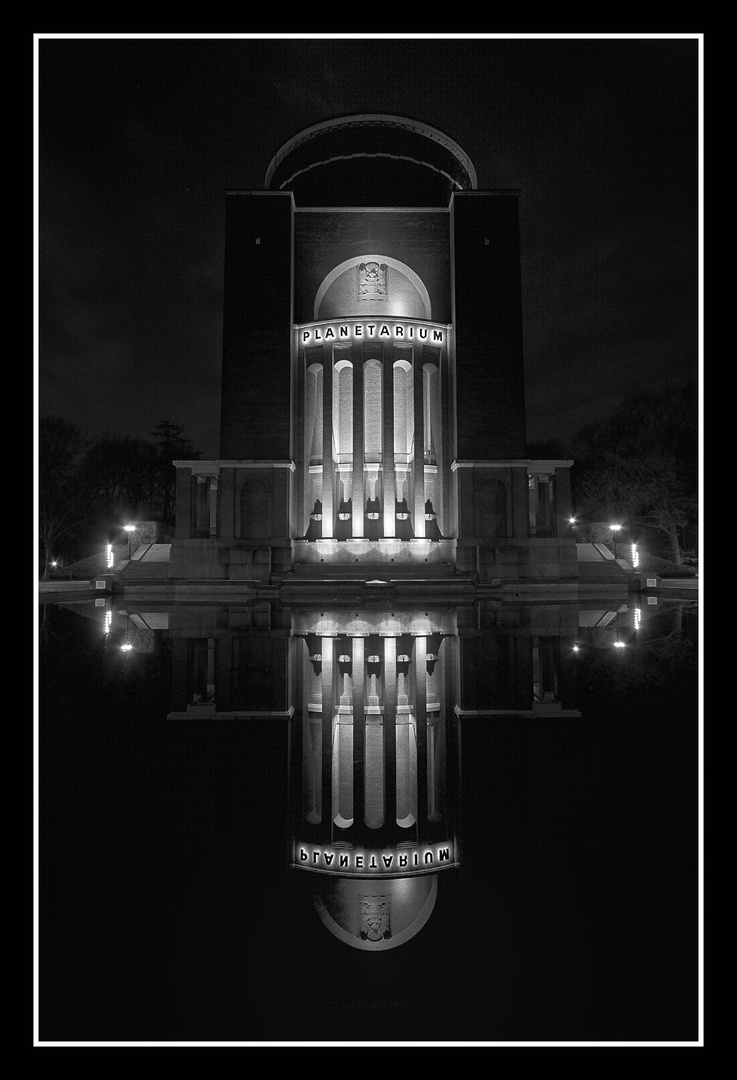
<point>373,414</point>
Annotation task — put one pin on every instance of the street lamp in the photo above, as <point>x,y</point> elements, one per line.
<point>615,529</point>
<point>129,529</point>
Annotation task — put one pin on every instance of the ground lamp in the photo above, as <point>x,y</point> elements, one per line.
<point>615,529</point>
<point>129,529</point>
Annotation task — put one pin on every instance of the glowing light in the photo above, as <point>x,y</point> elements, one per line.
<point>402,517</point>
<point>53,564</point>
<point>316,517</point>
<point>109,550</point>
<point>108,621</point>
<point>571,521</point>
<point>635,557</point>
<point>126,646</point>
<point>619,644</point>
<point>344,659</point>
<point>373,660</point>
<point>576,648</point>
<point>403,658</point>
<point>129,528</point>
<point>372,516</point>
<point>344,517</point>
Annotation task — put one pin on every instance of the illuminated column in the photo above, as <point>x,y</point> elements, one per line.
<point>434,449</point>
<point>328,711</point>
<point>328,468</point>
<point>437,727</point>
<point>445,450</point>
<point>406,747</point>
<point>418,442</point>
<point>390,730</point>
<point>360,783</point>
<point>311,692</point>
<point>420,712</point>
<point>359,502</point>
<point>390,511</point>
<point>343,742</point>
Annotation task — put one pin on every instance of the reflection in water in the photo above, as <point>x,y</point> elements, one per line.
<point>410,773</point>
<point>374,700</point>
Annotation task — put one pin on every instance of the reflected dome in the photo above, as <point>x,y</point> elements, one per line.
<point>375,915</point>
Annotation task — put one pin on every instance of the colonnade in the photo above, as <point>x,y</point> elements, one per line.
<point>374,429</point>
<point>374,737</point>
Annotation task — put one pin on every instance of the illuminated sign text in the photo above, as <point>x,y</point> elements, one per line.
<point>317,334</point>
<point>388,861</point>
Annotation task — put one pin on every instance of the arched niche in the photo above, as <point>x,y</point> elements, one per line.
<point>313,413</point>
<point>343,410</point>
<point>372,286</point>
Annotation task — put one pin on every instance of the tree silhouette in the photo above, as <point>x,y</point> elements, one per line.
<point>61,449</point>
<point>642,464</point>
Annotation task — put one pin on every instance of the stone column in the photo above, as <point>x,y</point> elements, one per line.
<point>418,472</point>
<point>359,730</point>
<point>328,466</point>
<point>390,510</point>
<point>390,731</point>
<point>358,494</point>
<point>328,709</point>
<point>420,711</point>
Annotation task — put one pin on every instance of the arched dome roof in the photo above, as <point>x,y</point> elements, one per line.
<point>371,159</point>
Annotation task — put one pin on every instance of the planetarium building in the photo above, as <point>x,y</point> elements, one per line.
<point>373,407</point>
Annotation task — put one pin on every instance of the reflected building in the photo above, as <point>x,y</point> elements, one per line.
<point>375,701</point>
<point>373,409</point>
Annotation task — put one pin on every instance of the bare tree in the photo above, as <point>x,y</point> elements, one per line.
<point>61,447</point>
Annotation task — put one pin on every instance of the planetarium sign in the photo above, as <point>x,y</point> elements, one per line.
<point>403,331</point>
<point>383,863</point>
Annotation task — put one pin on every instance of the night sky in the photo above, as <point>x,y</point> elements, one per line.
<point>139,138</point>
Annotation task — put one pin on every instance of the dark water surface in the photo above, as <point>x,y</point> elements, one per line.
<point>167,908</point>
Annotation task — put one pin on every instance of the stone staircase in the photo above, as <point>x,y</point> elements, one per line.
<point>597,564</point>
<point>148,561</point>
